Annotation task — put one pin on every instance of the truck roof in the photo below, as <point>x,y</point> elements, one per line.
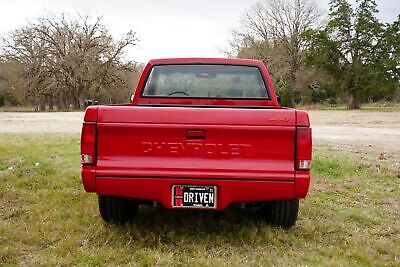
<point>230,61</point>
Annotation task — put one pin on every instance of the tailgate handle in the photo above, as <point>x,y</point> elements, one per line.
<point>195,134</point>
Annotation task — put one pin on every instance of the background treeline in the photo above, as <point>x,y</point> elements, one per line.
<point>62,61</point>
<point>349,57</point>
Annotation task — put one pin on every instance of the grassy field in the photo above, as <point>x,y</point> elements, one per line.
<point>351,217</point>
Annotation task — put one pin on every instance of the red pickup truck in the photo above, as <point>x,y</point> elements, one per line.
<point>199,134</point>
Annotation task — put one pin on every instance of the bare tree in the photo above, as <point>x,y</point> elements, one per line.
<point>279,24</point>
<point>68,59</point>
<point>27,49</point>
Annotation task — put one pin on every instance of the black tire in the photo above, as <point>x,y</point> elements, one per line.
<point>282,213</point>
<point>117,209</point>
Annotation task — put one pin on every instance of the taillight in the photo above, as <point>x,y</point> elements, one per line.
<point>303,148</point>
<point>88,144</point>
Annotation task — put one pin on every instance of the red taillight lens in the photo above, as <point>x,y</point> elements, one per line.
<point>88,144</point>
<point>303,148</point>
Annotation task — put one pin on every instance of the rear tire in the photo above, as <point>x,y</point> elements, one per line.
<point>117,209</point>
<point>282,213</point>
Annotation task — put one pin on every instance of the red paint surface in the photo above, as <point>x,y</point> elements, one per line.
<point>248,153</point>
<point>89,178</point>
<point>302,184</point>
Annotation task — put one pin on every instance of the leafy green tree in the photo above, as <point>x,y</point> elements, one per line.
<point>354,49</point>
<point>388,59</point>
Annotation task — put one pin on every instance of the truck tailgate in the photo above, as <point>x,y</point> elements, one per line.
<point>189,142</point>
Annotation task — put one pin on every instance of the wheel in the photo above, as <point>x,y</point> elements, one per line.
<point>282,213</point>
<point>117,209</point>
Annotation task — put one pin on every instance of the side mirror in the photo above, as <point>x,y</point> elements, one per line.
<point>132,96</point>
<point>278,98</point>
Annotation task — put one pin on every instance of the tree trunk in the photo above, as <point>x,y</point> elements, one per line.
<point>354,101</point>
<point>51,104</point>
<point>76,103</point>
<point>62,105</point>
<point>42,104</point>
<point>36,104</point>
<point>291,88</point>
<point>293,68</point>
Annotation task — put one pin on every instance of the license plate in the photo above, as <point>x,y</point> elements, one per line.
<point>194,196</point>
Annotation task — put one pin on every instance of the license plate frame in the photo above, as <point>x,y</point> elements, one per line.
<point>180,196</point>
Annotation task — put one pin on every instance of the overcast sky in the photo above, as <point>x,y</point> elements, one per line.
<point>166,28</point>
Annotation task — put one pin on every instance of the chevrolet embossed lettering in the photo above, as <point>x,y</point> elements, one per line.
<point>195,149</point>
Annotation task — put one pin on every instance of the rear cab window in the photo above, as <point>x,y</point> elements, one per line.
<point>205,81</point>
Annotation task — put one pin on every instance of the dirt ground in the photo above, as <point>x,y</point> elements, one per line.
<point>358,128</point>
<point>46,122</point>
<point>371,135</point>
<point>379,130</point>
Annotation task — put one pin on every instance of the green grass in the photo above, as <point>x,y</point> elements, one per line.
<point>351,217</point>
